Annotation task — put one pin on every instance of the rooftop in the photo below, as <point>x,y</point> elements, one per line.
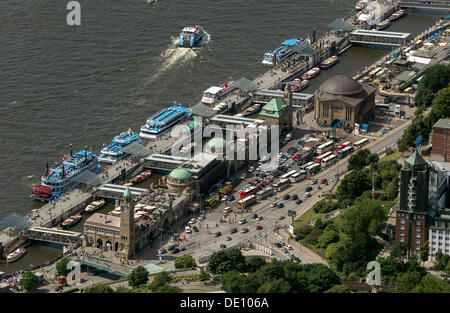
<point>442,123</point>
<point>104,221</point>
<point>180,173</point>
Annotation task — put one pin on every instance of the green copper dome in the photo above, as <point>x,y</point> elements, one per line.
<point>217,143</point>
<point>180,173</point>
<point>127,193</point>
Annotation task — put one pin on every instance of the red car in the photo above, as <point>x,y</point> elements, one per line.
<point>295,157</point>
<point>258,227</point>
<point>324,181</point>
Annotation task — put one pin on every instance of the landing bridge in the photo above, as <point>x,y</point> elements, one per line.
<point>111,191</point>
<point>435,5</point>
<point>379,39</point>
<point>64,237</point>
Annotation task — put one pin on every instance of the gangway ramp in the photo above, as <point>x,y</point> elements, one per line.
<point>54,235</point>
<point>382,38</point>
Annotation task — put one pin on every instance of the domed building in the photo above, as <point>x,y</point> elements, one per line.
<point>216,145</point>
<point>342,98</point>
<point>179,179</point>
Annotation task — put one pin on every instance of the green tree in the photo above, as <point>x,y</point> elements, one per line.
<point>400,251</point>
<point>321,278</point>
<point>328,236</point>
<point>338,289</point>
<point>160,279</point>
<point>61,267</point>
<point>138,277</point>
<point>204,275</point>
<point>303,231</point>
<point>424,251</point>
<point>447,268</point>
<point>29,280</point>
<point>431,284</point>
<point>122,289</point>
<point>407,282</point>
<point>318,224</point>
<point>372,158</point>
<point>223,261</point>
<point>434,79</point>
<point>358,160</point>
<point>354,184</point>
<point>440,261</point>
<point>166,289</point>
<point>233,281</point>
<point>185,261</point>
<point>255,264</point>
<point>276,286</point>
<point>99,288</point>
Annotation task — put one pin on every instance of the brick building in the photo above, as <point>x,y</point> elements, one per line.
<point>441,140</point>
<point>412,220</point>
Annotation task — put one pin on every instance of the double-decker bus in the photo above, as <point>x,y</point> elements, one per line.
<point>315,168</point>
<point>344,152</point>
<point>212,201</point>
<point>329,160</point>
<point>281,185</point>
<point>265,193</point>
<point>288,174</point>
<point>323,156</point>
<point>304,167</point>
<point>360,143</point>
<point>225,189</point>
<point>248,191</point>
<point>327,146</point>
<point>246,202</point>
<point>299,176</point>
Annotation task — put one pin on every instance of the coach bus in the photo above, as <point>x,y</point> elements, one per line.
<point>281,185</point>
<point>360,143</point>
<point>299,176</point>
<point>323,156</point>
<point>288,174</point>
<point>265,193</point>
<point>246,202</point>
<point>313,169</point>
<point>344,152</point>
<point>327,146</point>
<point>344,145</point>
<point>248,192</point>
<point>329,160</point>
<point>304,167</point>
<point>212,201</point>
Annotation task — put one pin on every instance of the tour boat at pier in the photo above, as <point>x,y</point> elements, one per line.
<point>114,151</point>
<point>360,5</point>
<point>284,51</point>
<point>329,62</point>
<point>311,73</point>
<point>383,25</point>
<point>56,181</point>
<point>141,177</point>
<point>191,36</point>
<point>94,206</point>
<point>252,109</point>
<point>298,85</point>
<point>163,120</point>
<point>397,15</point>
<point>71,221</point>
<point>15,255</point>
<point>214,93</point>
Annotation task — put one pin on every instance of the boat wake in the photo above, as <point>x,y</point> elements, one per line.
<point>175,55</point>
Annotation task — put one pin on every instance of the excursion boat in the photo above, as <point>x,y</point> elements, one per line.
<point>329,62</point>
<point>284,51</point>
<point>15,255</point>
<point>397,15</point>
<point>311,73</point>
<point>94,206</point>
<point>191,36</point>
<point>56,181</point>
<point>71,221</point>
<point>113,152</point>
<point>141,177</point>
<point>252,110</point>
<point>298,85</point>
<point>383,25</point>
<point>162,121</point>
<point>214,93</point>
<point>360,5</point>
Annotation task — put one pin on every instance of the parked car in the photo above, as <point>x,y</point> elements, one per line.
<point>307,195</point>
<point>233,230</point>
<point>259,218</point>
<point>244,230</point>
<point>294,197</point>
<point>171,247</point>
<point>192,221</point>
<point>284,250</point>
<point>254,215</point>
<point>259,227</point>
<point>188,230</point>
<point>298,201</point>
<point>324,181</point>
<point>175,251</point>
<point>195,229</point>
<point>308,189</point>
<point>286,197</point>
<point>314,181</point>
<point>217,234</point>
<point>280,205</point>
<point>274,204</point>
<point>242,221</point>
<point>228,238</point>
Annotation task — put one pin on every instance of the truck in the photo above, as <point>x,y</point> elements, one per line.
<point>397,109</point>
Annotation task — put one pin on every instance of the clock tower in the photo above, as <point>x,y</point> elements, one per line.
<point>127,233</point>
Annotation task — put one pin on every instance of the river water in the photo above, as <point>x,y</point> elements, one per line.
<point>63,84</point>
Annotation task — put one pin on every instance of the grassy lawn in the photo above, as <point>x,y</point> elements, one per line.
<point>394,156</point>
<point>310,215</point>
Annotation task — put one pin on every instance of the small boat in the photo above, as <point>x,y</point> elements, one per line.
<point>298,85</point>
<point>383,25</point>
<point>141,177</point>
<point>329,62</point>
<point>252,109</point>
<point>71,221</point>
<point>15,255</point>
<point>191,36</point>
<point>360,5</point>
<point>397,15</point>
<point>311,73</point>
<point>94,206</point>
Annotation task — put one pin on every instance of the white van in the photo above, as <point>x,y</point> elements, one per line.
<point>397,109</point>
<point>188,230</point>
<point>227,210</point>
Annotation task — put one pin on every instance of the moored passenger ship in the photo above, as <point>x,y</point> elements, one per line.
<point>58,180</point>
<point>114,151</point>
<point>163,120</point>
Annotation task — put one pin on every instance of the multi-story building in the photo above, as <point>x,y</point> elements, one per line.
<point>441,140</point>
<point>439,234</point>
<point>412,219</point>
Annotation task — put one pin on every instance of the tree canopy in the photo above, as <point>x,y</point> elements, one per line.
<point>434,79</point>
<point>224,261</point>
<point>61,267</point>
<point>138,277</point>
<point>185,261</point>
<point>99,288</point>
<point>29,280</point>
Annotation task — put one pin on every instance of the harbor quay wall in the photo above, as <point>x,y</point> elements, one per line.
<point>76,208</point>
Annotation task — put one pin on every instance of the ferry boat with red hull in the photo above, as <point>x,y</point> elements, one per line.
<point>141,177</point>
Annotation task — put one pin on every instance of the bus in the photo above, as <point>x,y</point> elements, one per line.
<point>327,146</point>
<point>288,174</point>
<point>248,192</point>
<point>304,167</point>
<point>212,201</point>
<point>281,185</point>
<point>344,145</point>
<point>246,202</point>
<point>265,193</point>
<point>323,156</point>
<point>225,189</point>
<point>374,72</point>
<point>329,160</point>
<point>313,168</point>
<point>299,176</point>
<point>344,152</point>
<point>360,143</point>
